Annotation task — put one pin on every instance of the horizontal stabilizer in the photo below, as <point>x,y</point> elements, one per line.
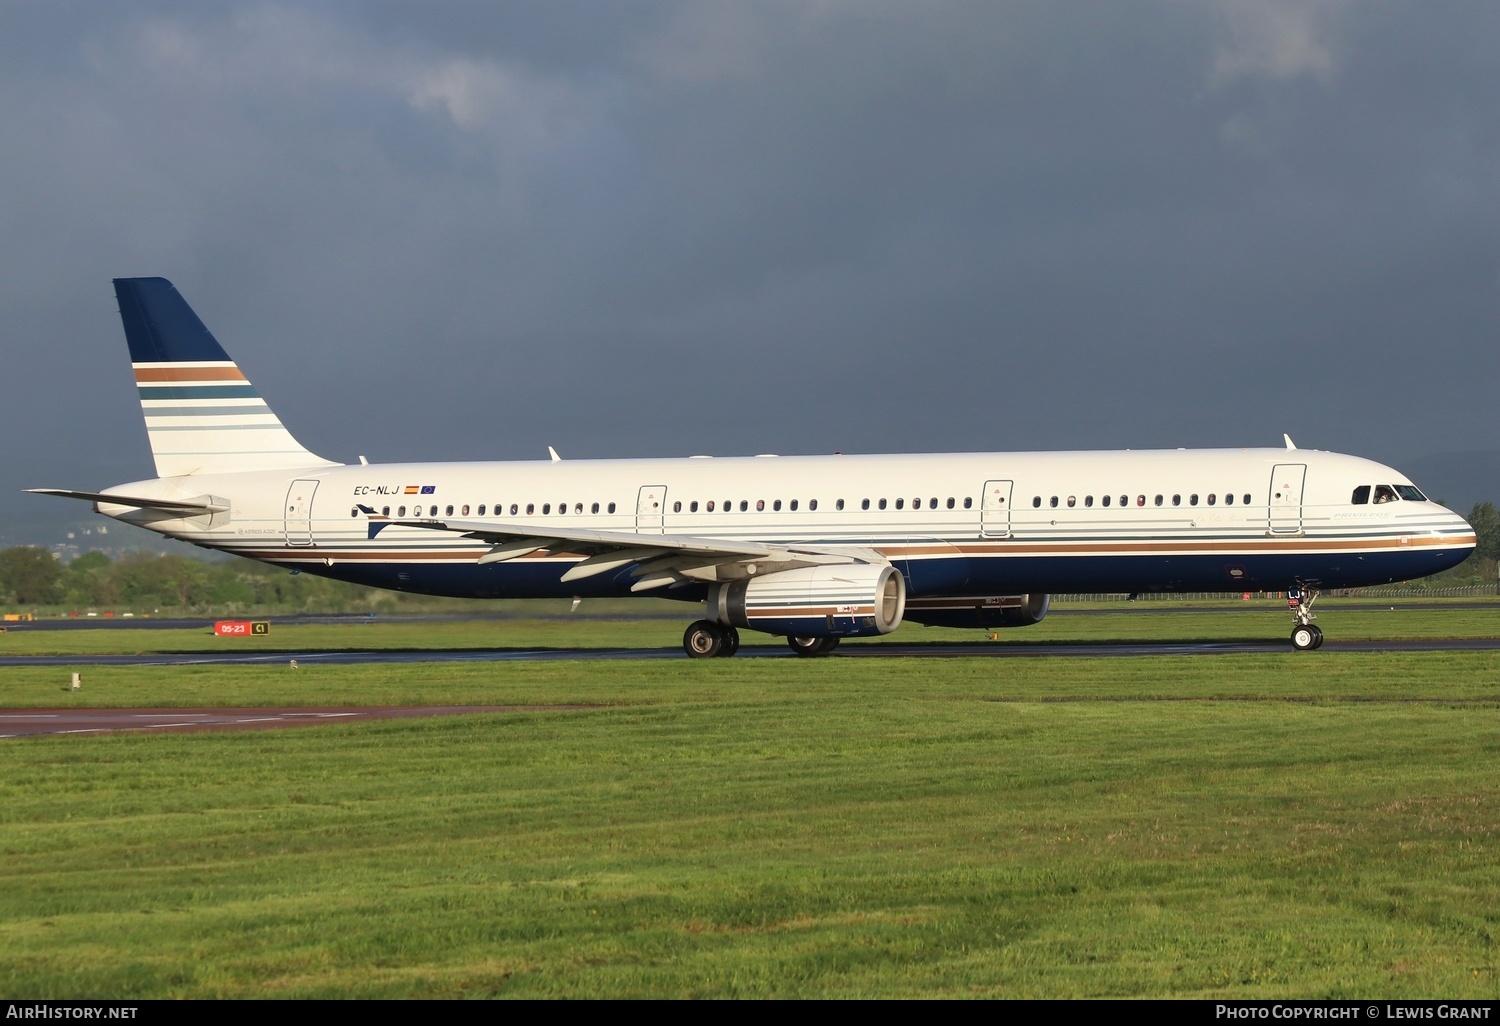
<point>192,506</point>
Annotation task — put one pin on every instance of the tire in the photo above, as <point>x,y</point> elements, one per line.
<point>829,644</point>
<point>702,640</point>
<point>1318,641</point>
<point>1305,638</point>
<point>805,646</point>
<point>731,641</point>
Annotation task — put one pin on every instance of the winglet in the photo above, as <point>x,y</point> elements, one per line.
<point>553,453</point>
<point>1289,443</point>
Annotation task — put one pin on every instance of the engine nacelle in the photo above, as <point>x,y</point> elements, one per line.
<point>845,601</point>
<point>988,611</point>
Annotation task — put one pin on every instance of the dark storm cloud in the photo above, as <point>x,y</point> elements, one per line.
<point>471,230</point>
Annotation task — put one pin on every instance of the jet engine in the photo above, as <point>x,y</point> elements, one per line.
<point>988,611</point>
<point>851,600</point>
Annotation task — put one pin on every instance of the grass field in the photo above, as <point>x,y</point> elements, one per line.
<point>1347,620</point>
<point>1278,825</point>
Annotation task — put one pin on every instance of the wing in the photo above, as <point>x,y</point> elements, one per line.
<point>659,560</point>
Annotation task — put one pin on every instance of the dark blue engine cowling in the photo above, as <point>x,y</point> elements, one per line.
<point>979,610</point>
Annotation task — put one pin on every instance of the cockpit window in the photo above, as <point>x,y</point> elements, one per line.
<point>1385,493</point>
<point>1410,493</point>
<point>1361,496</point>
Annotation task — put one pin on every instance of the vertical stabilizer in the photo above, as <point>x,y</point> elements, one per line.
<point>202,415</point>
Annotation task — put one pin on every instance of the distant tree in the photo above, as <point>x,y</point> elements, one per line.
<point>1485,520</point>
<point>30,576</point>
<point>83,580</point>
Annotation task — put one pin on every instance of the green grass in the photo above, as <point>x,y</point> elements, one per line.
<point>1257,826</point>
<point>1350,620</point>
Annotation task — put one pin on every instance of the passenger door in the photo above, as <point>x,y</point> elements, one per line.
<point>1285,502</point>
<point>994,515</point>
<point>298,522</point>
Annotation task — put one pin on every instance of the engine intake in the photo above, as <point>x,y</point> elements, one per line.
<point>845,601</point>
<point>979,610</point>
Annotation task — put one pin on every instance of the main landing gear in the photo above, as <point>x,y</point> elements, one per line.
<point>705,639</point>
<point>812,646</point>
<point>1305,635</point>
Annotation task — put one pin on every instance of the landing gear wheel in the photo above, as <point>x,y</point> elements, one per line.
<point>731,641</point>
<point>1306,637</point>
<point>703,639</point>
<point>805,646</point>
<point>812,646</point>
<point>1318,642</point>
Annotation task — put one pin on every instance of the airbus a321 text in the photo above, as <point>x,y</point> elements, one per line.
<point>811,548</point>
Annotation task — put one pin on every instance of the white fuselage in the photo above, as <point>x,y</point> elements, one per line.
<point>954,524</point>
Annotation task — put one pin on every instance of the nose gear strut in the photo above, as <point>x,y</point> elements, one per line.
<point>1305,635</point>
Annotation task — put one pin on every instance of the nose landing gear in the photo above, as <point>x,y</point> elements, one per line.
<point>1305,636</point>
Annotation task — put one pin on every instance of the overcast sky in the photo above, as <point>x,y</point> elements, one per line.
<point>468,231</point>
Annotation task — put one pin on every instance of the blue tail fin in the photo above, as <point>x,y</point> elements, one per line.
<point>202,414</point>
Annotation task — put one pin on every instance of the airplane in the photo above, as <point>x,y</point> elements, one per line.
<point>811,548</point>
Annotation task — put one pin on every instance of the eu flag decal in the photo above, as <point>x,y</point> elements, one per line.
<point>429,489</point>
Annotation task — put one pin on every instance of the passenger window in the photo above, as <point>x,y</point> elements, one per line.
<point>864,503</point>
<point>1246,500</point>
<point>1177,500</point>
<point>794,505</point>
<point>692,506</point>
<point>1229,498</point>
<point>611,507</point>
<point>1124,500</point>
<point>1052,502</point>
<point>1210,498</point>
<point>882,504</point>
<point>1140,500</point>
<point>594,508</point>
<point>744,505</point>
<point>1105,500</point>
<point>968,502</point>
<point>578,507</point>
<point>760,505</point>
<point>900,503</point>
<point>710,507</point>
<point>354,511</point>
<point>677,506</point>
<point>728,505</point>
<point>385,511</point>
<point>1193,499</point>
<point>530,508</point>
<point>1036,502</point>
<point>1088,501</point>
<point>776,506</point>
<point>1158,500</point>
<point>950,502</point>
<point>1072,501</point>
<point>400,511</point>
<point>433,512</point>
<point>562,508</point>
<point>480,511</point>
<point>812,504</point>
<point>546,508</point>
<point>839,504</point>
